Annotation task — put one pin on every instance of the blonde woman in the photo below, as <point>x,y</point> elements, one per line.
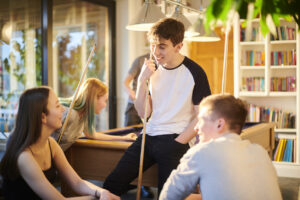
<point>92,98</point>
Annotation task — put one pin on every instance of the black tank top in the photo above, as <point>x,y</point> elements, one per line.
<point>19,189</point>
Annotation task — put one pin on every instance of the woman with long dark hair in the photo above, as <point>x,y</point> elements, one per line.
<point>32,157</point>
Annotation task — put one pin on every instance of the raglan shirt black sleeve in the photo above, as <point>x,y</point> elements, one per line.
<point>201,88</point>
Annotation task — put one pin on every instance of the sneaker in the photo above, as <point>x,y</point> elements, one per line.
<point>146,192</point>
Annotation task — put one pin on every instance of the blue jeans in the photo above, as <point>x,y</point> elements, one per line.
<point>163,150</point>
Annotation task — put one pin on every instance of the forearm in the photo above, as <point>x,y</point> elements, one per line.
<point>72,179</point>
<point>141,99</point>
<point>86,188</point>
<point>127,87</point>
<point>82,198</point>
<point>103,136</point>
<point>131,93</point>
<point>128,90</point>
<point>188,133</point>
<point>177,186</point>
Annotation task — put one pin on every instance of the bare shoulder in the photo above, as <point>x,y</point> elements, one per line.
<point>54,146</point>
<point>24,158</point>
<point>52,141</point>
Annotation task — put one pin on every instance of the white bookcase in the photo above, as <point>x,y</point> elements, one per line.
<point>264,71</point>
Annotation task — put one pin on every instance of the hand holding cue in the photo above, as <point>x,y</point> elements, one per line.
<point>140,177</point>
<point>75,95</point>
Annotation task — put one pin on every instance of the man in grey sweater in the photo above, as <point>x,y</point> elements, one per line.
<point>224,165</point>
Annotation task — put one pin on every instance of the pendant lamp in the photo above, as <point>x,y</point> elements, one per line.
<point>146,17</point>
<point>198,26</point>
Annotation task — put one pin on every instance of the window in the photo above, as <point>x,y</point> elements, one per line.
<point>20,55</point>
<point>76,25</point>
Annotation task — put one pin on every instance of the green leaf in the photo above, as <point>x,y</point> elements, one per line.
<point>217,10</point>
<point>276,19</point>
<point>264,27</point>
<point>242,9</point>
<point>287,9</point>
<point>257,8</point>
<point>210,19</point>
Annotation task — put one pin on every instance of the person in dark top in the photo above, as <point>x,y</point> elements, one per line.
<point>32,156</point>
<point>131,115</point>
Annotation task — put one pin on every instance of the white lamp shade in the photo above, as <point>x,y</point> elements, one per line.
<point>189,32</point>
<point>146,17</point>
<point>203,37</point>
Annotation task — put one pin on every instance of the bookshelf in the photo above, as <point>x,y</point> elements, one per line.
<point>266,74</point>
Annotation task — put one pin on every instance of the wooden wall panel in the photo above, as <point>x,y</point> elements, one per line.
<point>209,55</point>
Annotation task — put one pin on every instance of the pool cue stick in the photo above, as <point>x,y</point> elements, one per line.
<point>227,30</point>
<point>75,95</point>
<point>225,61</point>
<point>140,177</point>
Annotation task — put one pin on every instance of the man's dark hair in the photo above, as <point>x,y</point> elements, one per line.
<point>169,29</point>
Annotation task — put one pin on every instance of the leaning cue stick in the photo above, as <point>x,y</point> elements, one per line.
<point>225,61</point>
<point>140,177</point>
<point>75,95</point>
<point>227,30</point>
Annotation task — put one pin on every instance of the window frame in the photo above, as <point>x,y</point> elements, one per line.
<point>47,57</point>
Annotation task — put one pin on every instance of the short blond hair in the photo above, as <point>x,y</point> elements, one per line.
<point>233,110</point>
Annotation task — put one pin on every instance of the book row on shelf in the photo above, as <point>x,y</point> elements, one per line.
<point>285,150</point>
<point>254,58</point>
<point>255,34</point>
<point>283,57</point>
<point>253,84</point>
<point>270,114</point>
<point>284,84</point>
<point>257,58</point>
<point>277,84</point>
<point>284,33</point>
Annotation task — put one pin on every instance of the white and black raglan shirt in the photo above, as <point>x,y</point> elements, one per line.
<point>174,92</point>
